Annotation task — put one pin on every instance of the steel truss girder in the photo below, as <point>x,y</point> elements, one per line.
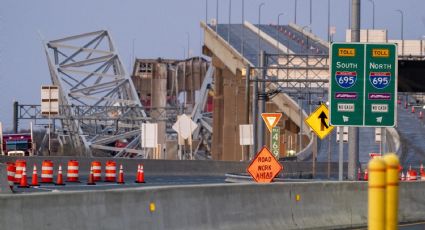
<point>93,84</point>
<point>302,67</point>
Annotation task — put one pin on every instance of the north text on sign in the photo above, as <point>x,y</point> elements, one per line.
<point>373,65</point>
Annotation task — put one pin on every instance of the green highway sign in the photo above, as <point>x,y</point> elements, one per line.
<point>363,84</point>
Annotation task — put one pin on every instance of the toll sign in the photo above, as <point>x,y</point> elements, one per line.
<point>264,167</point>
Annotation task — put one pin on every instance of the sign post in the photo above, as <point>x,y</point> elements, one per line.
<point>49,105</point>
<point>185,126</point>
<point>246,137</point>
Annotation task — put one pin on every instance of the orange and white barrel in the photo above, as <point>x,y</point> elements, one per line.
<point>97,170</point>
<point>72,173</point>
<point>20,165</point>
<point>11,169</point>
<point>47,171</point>
<point>110,171</point>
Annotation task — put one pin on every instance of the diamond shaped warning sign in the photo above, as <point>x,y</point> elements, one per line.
<point>271,119</point>
<point>264,167</point>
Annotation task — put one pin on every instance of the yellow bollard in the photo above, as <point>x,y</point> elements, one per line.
<point>391,214</point>
<point>376,194</point>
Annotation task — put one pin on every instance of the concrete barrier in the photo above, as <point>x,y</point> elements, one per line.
<point>151,167</point>
<point>4,185</point>
<point>319,205</point>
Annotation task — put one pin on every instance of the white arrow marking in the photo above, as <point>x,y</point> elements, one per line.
<point>345,119</point>
<point>379,119</point>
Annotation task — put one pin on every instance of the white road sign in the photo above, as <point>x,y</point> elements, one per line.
<point>246,136</point>
<point>184,126</point>
<point>149,135</point>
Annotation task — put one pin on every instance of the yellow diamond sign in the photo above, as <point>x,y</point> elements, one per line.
<point>319,121</point>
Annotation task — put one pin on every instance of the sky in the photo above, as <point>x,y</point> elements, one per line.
<point>158,28</point>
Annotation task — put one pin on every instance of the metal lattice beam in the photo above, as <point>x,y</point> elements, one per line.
<point>93,83</point>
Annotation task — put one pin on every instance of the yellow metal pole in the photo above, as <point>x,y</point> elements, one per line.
<point>392,162</point>
<point>376,194</point>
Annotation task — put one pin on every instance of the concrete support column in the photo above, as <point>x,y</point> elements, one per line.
<point>229,109</point>
<point>216,148</point>
<point>159,102</point>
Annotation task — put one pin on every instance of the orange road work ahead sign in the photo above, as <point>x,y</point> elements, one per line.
<point>271,119</point>
<point>264,167</point>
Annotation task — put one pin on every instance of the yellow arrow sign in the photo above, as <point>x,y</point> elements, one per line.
<point>319,121</point>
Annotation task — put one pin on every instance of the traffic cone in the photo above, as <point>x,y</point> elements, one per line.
<point>359,174</point>
<point>413,109</point>
<point>421,169</point>
<point>34,180</point>
<point>91,177</point>
<point>366,176</point>
<point>421,115</point>
<point>59,180</point>
<point>24,182</point>
<point>140,174</point>
<point>121,176</point>
<point>403,177</point>
<point>413,175</point>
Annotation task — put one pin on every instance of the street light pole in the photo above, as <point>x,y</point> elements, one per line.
<point>373,13</point>
<point>206,12</point>
<point>216,17</point>
<point>188,44</point>
<point>278,33</point>
<point>230,18</point>
<point>242,26</point>
<point>259,37</point>
<point>329,20</point>
<point>311,12</point>
<point>402,31</point>
<point>295,12</point>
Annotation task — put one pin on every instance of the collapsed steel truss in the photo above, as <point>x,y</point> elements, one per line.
<point>90,75</point>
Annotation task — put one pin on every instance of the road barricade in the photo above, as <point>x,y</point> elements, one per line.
<point>11,169</point>
<point>20,165</point>
<point>97,170</point>
<point>72,173</point>
<point>110,171</point>
<point>47,171</point>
